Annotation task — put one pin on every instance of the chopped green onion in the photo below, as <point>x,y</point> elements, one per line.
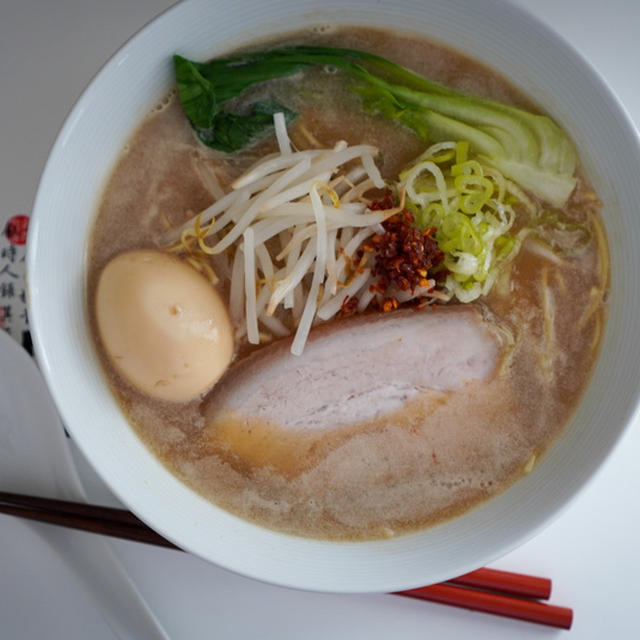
<point>468,205</point>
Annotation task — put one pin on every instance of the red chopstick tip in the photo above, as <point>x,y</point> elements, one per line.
<point>495,603</point>
<point>516,584</point>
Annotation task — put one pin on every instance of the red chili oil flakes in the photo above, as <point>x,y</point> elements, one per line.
<point>349,305</point>
<point>384,203</point>
<point>404,255</point>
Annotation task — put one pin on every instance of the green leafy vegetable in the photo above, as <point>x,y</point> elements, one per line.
<point>527,148</point>
<point>233,131</point>
<point>204,88</point>
<point>197,94</point>
<point>201,100</point>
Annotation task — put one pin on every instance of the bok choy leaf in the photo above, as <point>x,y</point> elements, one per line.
<point>528,148</point>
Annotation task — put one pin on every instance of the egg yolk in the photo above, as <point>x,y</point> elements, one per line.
<point>164,327</point>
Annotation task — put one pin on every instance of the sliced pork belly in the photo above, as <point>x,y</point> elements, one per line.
<point>359,369</point>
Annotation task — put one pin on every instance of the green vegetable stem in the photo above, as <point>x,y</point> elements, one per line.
<point>528,148</point>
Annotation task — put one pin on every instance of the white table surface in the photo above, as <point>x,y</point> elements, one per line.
<point>49,50</point>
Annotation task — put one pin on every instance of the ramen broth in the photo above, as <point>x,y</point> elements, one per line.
<point>443,452</point>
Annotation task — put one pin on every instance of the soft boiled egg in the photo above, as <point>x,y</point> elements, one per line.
<point>163,325</point>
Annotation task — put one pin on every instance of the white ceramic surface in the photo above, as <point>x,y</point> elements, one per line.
<point>516,44</point>
<point>70,565</point>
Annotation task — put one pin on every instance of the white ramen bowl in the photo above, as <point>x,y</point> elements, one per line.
<point>510,41</point>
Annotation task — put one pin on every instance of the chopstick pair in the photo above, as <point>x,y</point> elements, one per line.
<point>497,602</point>
<point>501,593</point>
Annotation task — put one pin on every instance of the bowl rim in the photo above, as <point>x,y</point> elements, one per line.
<point>296,577</point>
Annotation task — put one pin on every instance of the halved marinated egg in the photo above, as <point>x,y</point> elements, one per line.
<point>163,325</point>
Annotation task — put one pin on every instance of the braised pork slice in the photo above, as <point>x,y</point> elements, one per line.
<point>361,369</point>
